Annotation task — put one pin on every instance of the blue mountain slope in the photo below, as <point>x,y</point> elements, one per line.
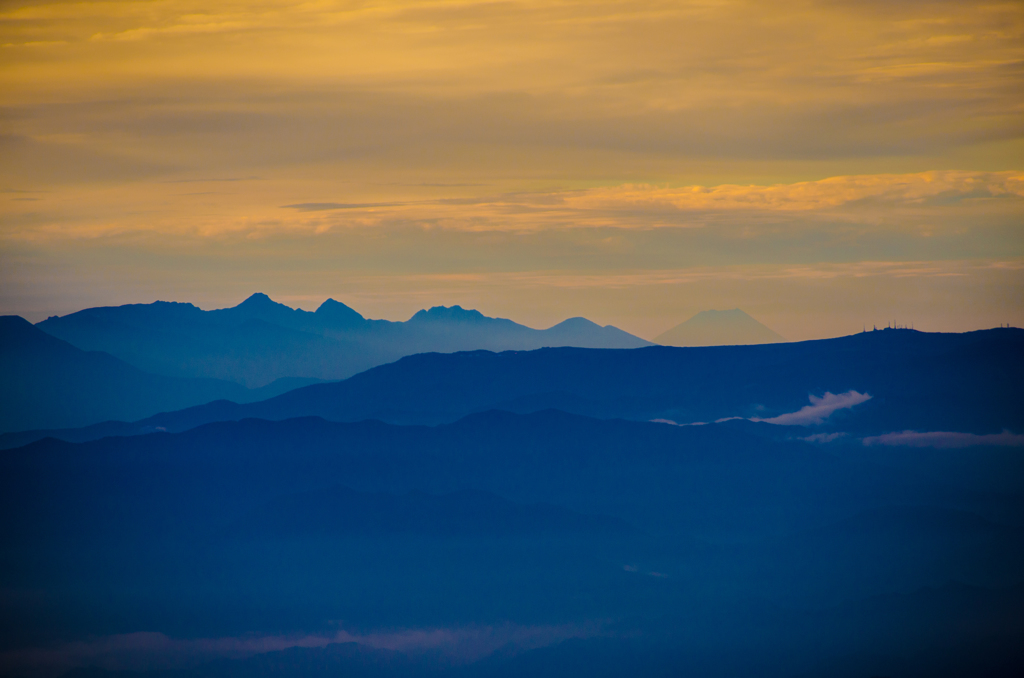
<point>340,511</point>
<point>586,464</point>
<point>46,382</point>
<point>917,381</point>
<point>260,340</point>
<point>747,551</point>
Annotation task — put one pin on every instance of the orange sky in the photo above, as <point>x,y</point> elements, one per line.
<point>819,164</point>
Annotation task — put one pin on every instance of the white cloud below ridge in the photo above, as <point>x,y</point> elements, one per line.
<point>819,410</point>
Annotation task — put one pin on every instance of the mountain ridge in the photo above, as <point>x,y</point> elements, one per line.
<point>45,382</point>
<point>916,380</point>
<point>334,342</point>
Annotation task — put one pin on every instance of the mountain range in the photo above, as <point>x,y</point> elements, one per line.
<point>903,380</point>
<point>261,340</point>
<point>840,507</point>
<point>47,382</point>
<point>130,362</point>
<point>508,544</point>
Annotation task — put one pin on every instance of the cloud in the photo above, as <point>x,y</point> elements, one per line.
<point>696,275</point>
<point>945,439</point>
<point>596,144</point>
<point>819,410</point>
<point>855,200</point>
<point>327,206</point>
<point>823,437</point>
<point>885,189</point>
<point>148,651</point>
<point>931,215</point>
<point>580,93</point>
<point>692,423</point>
<point>816,413</point>
<point>634,568</point>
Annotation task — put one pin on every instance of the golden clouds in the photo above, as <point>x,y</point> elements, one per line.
<point>342,101</point>
<point>892,190</point>
<point>597,91</point>
<point>527,135</point>
<point>657,55</point>
<point>921,205</point>
<point>867,202</point>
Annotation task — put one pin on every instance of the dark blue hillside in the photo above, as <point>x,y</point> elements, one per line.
<point>339,511</point>
<point>622,543</point>
<point>547,456</point>
<point>727,479</point>
<point>47,383</point>
<point>967,382</point>
<point>918,381</point>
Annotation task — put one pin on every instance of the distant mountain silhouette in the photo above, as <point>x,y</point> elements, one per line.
<point>718,328</point>
<point>48,383</point>
<point>918,381</point>
<point>261,340</point>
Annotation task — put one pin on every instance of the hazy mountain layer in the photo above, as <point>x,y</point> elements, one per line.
<point>503,544</point>
<point>260,340</point>
<point>46,382</point>
<point>915,380</point>
<point>719,328</point>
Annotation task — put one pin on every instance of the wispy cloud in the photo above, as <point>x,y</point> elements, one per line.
<point>921,211</point>
<point>855,200</point>
<point>148,651</point>
<point>328,206</point>
<point>595,145</point>
<point>824,437</point>
<point>819,410</point>
<point>946,439</point>
<point>886,189</point>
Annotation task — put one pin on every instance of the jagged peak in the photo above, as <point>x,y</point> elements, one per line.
<point>453,313</point>
<point>161,303</point>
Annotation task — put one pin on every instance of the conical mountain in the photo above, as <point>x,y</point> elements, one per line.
<point>719,328</point>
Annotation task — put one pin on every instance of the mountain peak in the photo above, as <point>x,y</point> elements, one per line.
<point>732,327</point>
<point>14,323</point>
<point>338,314</point>
<point>16,331</point>
<point>576,324</point>
<point>258,300</point>
<point>258,307</point>
<point>449,314</point>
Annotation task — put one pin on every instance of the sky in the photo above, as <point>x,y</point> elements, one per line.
<point>825,166</point>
